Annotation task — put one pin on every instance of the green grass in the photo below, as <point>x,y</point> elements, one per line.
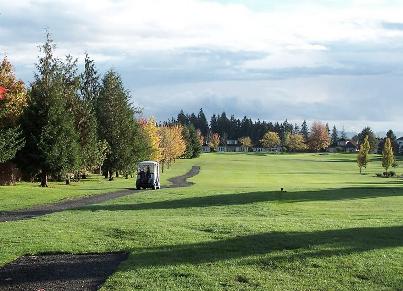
<point>234,230</point>
<point>25,194</point>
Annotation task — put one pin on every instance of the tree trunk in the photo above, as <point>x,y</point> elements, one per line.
<point>67,179</point>
<point>44,179</point>
<point>117,174</point>
<point>110,176</point>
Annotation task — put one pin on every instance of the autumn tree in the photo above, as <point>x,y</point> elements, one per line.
<point>214,141</point>
<point>13,100</point>
<point>388,158</point>
<point>172,144</point>
<point>319,137</point>
<point>270,139</point>
<point>246,143</point>
<point>200,137</point>
<point>296,143</point>
<point>362,157</point>
<point>151,130</point>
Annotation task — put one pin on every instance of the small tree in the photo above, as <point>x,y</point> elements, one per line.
<point>270,139</point>
<point>388,158</point>
<point>296,142</point>
<point>214,141</point>
<point>362,157</point>
<point>246,142</point>
<point>200,137</point>
<point>319,137</point>
<point>151,130</point>
<point>367,131</point>
<point>334,136</point>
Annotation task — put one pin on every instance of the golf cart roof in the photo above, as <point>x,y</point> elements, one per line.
<point>148,163</point>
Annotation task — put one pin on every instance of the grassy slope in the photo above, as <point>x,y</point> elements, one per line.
<point>332,229</point>
<point>25,194</point>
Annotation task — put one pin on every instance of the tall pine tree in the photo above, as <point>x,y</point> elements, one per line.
<point>51,140</point>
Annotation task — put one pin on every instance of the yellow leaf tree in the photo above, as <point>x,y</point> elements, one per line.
<point>152,131</point>
<point>270,139</point>
<point>246,143</point>
<point>15,95</point>
<point>214,141</point>
<point>296,142</point>
<point>172,144</point>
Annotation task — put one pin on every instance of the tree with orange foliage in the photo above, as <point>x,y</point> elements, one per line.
<point>214,141</point>
<point>151,130</point>
<point>14,94</point>
<point>200,136</point>
<point>13,100</point>
<point>172,144</point>
<point>319,138</point>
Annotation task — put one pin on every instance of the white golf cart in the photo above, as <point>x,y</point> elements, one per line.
<point>148,175</point>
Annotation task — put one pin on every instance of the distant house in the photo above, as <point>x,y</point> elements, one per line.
<point>343,145</point>
<point>206,149</point>
<point>400,143</point>
<point>276,149</point>
<point>231,145</point>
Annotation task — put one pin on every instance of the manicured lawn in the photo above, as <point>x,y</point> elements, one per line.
<point>27,194</point>
<point>332,229</point>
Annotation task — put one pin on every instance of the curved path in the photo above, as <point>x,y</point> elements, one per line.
<point>180,181</point>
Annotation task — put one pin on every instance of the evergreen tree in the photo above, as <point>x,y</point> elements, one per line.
<point>343,134</point>
<point>203,124</point>
<point>194,142</point>
<point>305,131</point>
<point>182,118</point>
<point>117,125</point>
<point>334,136</point>
<point>367,131</point>
<point>86,92</point>
<point>51,139</point>
<point>328,128</point>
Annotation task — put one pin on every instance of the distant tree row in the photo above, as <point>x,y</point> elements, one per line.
<point>291,137</point>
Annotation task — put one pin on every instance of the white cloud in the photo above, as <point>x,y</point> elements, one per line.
<point>194,52</point>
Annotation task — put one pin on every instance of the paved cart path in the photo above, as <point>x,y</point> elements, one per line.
<point>59,271</point>
<point>180,181</point>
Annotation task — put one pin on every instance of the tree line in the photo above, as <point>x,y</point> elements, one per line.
<point>290,137</point>
<point>69,122</point>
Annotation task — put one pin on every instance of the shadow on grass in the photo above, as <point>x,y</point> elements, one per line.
<point>255,197</point>
<point>292,245</point>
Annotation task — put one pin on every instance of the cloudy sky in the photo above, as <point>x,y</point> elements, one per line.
<point>333,60</point>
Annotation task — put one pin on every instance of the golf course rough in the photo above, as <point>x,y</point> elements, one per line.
<point>233,229</point>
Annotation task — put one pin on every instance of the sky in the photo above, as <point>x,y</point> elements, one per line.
<point>336,61</point>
